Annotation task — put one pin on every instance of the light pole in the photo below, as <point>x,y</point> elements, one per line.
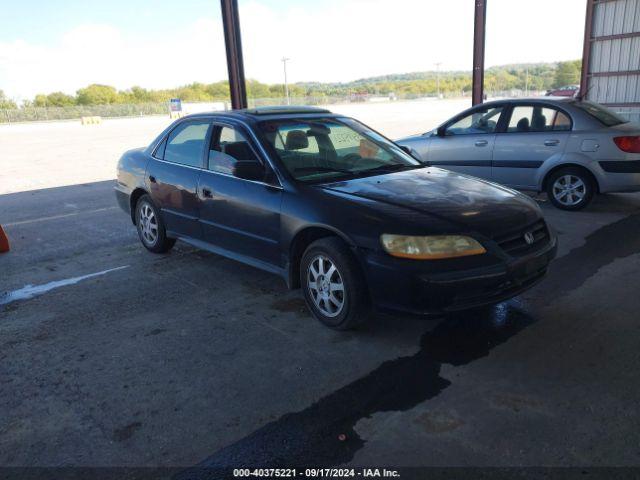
<point>438,77</point>
<point>286,85</point>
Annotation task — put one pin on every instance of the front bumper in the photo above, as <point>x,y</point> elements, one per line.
<point>426,288</point>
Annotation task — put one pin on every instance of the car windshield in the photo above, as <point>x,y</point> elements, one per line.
<point>319,150</point>
<point>603,114</point>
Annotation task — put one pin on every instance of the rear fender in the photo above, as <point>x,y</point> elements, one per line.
<point>568,160</point>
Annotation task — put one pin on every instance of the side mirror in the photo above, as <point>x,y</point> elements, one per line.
<point>249,170</point>
<point>441,131</point>
<point>406,149</point>
<point>411,152</point>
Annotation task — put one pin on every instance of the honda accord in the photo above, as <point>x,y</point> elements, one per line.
<point>335,208</point>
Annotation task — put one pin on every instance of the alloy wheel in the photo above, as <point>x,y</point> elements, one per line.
<point>148,224</point>
<point>325,286</point>
<point>569,190</point>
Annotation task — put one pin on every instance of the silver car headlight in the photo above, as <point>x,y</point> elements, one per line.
<point>431,247</point>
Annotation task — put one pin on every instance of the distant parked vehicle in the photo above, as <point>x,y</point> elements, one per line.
<point>569,148</point>
<point>566,91</point>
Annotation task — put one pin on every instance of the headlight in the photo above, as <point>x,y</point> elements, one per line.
<point>431,247</point>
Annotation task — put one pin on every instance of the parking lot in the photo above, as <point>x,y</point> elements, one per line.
<point>112,356</point>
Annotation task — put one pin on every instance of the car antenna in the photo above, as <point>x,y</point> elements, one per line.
<point>582,96</point>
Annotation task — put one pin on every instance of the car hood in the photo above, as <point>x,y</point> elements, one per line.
<point>467,202</point>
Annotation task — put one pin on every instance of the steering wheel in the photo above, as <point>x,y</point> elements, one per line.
<point>351,159</point>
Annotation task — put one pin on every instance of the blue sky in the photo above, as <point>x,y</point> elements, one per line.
<point>45,21</point>
<point>64,45</point>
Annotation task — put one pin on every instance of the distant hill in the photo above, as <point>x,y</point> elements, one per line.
<point>532,77</point>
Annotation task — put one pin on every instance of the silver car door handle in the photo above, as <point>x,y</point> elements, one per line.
<point>481,143</point>
<point>551,143</point>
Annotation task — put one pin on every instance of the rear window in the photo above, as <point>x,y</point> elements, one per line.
<point>603,114</point>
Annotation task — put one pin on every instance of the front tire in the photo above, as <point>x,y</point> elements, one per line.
<point>151,228</point>
<point>570,188</point>
<point>333,285</point>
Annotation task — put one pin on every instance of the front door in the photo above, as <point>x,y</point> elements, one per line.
<point>467,143</point>
<point>173,174</point>
<point>533,135</point>
<point>241,217</point>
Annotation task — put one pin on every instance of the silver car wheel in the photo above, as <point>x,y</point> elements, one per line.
<point>325,286</point>
<point>569,190</point>
<point>148,224</point>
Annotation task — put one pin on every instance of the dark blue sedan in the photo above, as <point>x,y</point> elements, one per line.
<point>335,208</point>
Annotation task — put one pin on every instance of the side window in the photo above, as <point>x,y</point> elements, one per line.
<point>159,153</point>
<point>562,122</point>
<point>537,119</point>
<point>229,147</point>
<point>186,143</point>
<point>482,121</point>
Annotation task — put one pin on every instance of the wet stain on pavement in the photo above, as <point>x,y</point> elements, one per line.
<point>571,271</point>
<point>324,435</point>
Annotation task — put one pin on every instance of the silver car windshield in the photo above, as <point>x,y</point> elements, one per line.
<point>320,150</point>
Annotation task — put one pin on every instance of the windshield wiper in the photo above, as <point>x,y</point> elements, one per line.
<point>394,167</point>
<point>322,169</point>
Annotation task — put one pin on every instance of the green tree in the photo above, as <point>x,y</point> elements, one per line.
<point>55,99</point>
<point>97,95</point>
<point>567,73</point>
<point>6,103</point>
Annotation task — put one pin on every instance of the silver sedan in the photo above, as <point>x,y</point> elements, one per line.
<point>569,148</point>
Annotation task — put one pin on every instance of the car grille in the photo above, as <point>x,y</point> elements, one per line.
<point>515,244</point>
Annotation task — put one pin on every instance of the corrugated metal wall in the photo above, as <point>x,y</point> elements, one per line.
<point>614,55</point>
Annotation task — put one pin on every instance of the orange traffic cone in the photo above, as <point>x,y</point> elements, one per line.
<point>4,241</point>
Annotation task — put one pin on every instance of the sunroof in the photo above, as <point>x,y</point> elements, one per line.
<point>285,109</point>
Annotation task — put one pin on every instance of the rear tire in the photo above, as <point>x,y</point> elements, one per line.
<point>570,188</point>
<point>151,229</point>
<point>333,285</point>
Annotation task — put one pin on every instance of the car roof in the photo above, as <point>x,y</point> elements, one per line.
<point>549,99</point>
<point>267,113</point>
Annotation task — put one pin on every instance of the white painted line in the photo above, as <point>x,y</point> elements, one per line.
<point>30,291</point>
<point>55,217</point>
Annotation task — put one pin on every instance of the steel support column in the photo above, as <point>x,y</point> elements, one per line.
<point>233,45</point>
<point>586,51</point>
<point>479,29</point>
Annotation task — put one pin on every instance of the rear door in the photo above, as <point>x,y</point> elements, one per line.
<point>173,174</point>
<point>240,216</point>
<point>533,134</point>
<point>467,143</point>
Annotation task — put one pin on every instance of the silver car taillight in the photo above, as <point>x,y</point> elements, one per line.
<point>629,144</point>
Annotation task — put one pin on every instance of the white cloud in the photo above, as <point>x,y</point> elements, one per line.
<point>330,40</point>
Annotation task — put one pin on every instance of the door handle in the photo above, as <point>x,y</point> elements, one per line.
<point>207,193</point>
<point>551,143</point>
<point>152,179</point>
<point>481,143</point>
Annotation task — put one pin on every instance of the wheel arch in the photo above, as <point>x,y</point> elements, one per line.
<point>299,243</point>
<point>552,170</point>
<point>133,201</point>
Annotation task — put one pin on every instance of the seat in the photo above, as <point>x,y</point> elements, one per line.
<point>538,123</point>
<point>296,140</point>
<point>523,125</point>
<point>239,151</point>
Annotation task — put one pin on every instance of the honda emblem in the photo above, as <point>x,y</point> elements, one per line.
<point>529,238</point>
